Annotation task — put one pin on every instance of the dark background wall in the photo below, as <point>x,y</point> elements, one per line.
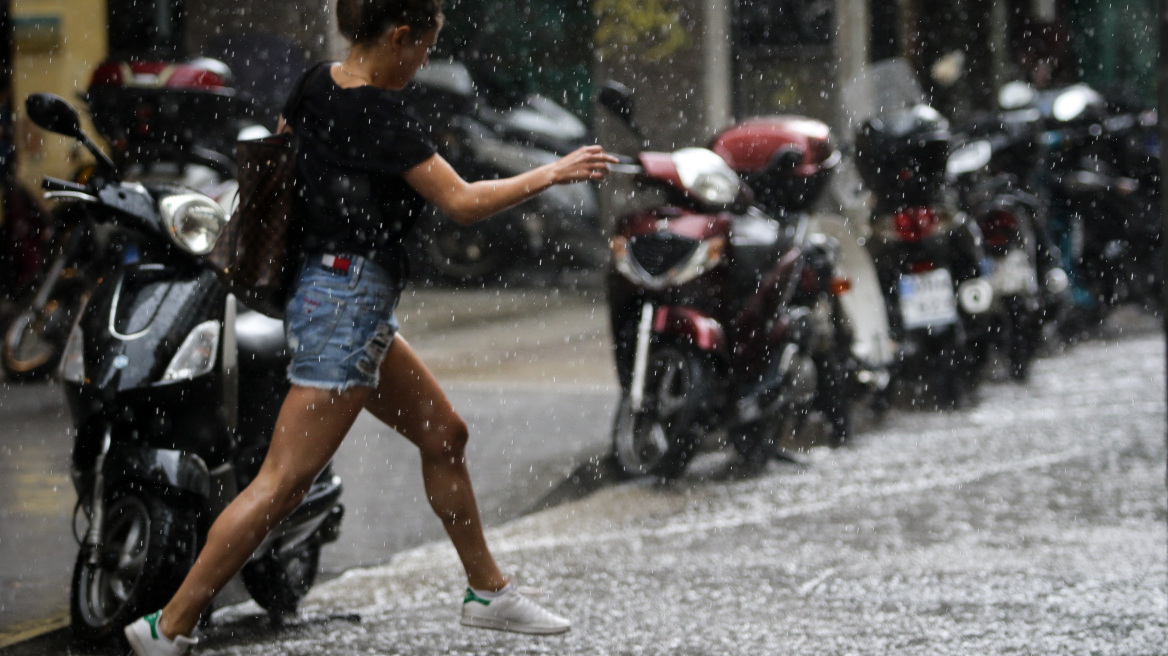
<point>543,46</point>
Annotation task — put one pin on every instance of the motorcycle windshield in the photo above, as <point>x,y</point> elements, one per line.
<point>881,91</point>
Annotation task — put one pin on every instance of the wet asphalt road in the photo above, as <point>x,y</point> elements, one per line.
<point>1034,523</point>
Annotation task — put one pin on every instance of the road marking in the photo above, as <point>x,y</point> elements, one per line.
<point>807,587</point>
<point>32,629</point>
<point>510,545</point>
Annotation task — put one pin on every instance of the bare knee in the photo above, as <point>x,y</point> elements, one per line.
<point>277,496</point>
<point>446,440</point>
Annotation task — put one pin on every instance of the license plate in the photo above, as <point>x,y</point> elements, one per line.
<point>1013,274</point>
<point>927,299</point>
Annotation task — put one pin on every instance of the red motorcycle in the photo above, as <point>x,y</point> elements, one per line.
<point>724,318</point>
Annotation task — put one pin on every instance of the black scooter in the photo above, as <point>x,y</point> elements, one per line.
<point>928,254</point>
<point>155,373</point>
<point>484,137</point>
<point>1100,167</point>
<point>166,121</point>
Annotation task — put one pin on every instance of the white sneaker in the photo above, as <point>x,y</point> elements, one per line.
<point>511,610</point>
<point>146,640</point>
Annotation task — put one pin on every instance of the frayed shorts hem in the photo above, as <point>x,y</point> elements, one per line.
<point>331,386</point>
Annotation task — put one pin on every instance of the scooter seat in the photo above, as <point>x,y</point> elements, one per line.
<point>260,339</point>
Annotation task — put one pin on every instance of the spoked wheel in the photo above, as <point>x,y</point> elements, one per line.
<point>145,550</point>
<point>280,578</point>
<point>660,439</point>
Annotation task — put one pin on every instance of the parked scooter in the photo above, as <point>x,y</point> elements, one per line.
<point>990,173</point>
<point>723,317</point>
<point>35,337</point>
<point>788,161</point>
<point>1099,173</point>
<point>173,398</point>
<point>484,137</point>
<point>928,254</point>
<point>147,112</point>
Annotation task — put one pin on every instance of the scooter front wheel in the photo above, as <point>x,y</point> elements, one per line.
<point>146,548</point>
<point>280,578</point>
<point>659,439</point>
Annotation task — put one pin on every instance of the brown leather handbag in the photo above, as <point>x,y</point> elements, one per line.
<point>253,256</point>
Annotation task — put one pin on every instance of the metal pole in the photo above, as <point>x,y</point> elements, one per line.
<point>7,131</point>
<point>852,33</point>
<point>1162,127</point>
<point>716,65</point>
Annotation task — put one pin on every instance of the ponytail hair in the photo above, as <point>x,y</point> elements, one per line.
<point>364,21</point>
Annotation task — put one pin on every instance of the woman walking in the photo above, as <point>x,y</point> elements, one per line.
<point>366,169</point>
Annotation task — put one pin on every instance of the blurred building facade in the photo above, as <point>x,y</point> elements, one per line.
<point>698,63</point>
<point>795,56</point>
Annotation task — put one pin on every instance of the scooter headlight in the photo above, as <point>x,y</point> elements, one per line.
<point>196,356</point>
<point>193,221</point>
<point>73,358</point>
<point>655,264</point>
<point>707,177</point>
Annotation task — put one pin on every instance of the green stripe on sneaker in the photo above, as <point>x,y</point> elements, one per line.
<point>471,596</point>
<point>152,620</point>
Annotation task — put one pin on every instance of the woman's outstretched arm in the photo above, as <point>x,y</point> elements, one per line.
<point>470,202</point>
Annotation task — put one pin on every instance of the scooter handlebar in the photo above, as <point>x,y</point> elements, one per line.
<point>626,164</point>
<point>56,184</point>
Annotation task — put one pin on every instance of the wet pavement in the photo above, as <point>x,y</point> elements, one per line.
<point>1034,523</point>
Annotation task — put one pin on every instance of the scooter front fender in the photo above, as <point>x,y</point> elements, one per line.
<point>165,470</point>
<point>699,329</point>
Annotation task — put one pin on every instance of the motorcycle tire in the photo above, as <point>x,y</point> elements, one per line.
<point>758,442</point>
<point>834,397</point>
<point>661,438</point>
<point>35,340</point>
<point>147,546</point>
<point>457,254</point>
<point>1024,334</point>
<point>948,381</point>
<point>279,579</point>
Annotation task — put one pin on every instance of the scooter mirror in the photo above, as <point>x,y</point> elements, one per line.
<point>1015,95</point>
<point>54,114</point>
<point>1074,101</point>
<point>618,99</point>
<point>969,158</point>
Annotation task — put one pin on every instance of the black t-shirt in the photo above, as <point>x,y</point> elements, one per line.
<point>355,144</point>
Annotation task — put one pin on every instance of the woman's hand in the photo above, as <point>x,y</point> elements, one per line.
<point>470,202</point>
<point>581,165</point>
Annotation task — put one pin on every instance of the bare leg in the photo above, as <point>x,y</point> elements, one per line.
<point>409,400</point>
<point>310,428</point>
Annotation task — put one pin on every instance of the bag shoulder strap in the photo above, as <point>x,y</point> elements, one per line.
<point>298,92</point>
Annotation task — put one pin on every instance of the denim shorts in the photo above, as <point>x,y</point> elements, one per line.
<point>340,322</point>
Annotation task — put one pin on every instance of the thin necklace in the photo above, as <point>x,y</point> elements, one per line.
<point>354,75</point>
